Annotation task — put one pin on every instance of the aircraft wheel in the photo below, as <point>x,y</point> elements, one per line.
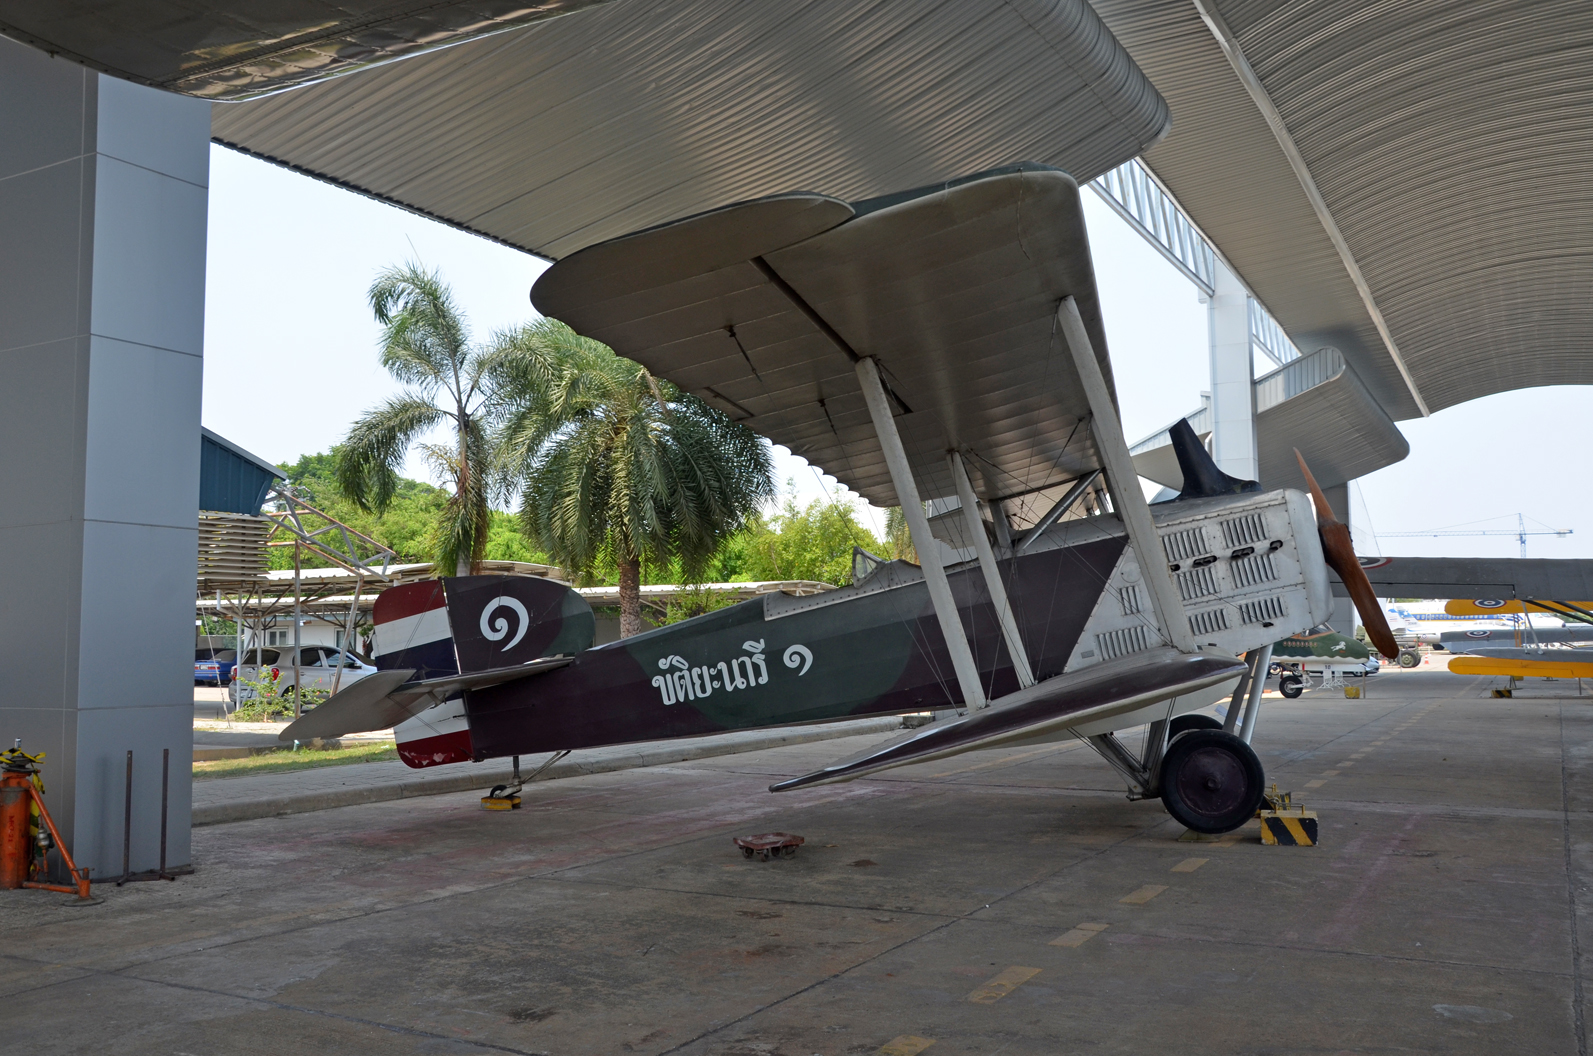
<point>1185,723</point>
<point>1211,781</point>
<point>1409,658</point>
<point>1291,686</point>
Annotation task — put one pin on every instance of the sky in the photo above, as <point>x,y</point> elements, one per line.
<point>290,359</point>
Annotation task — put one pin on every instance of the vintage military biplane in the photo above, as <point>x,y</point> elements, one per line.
<point>942,344</point>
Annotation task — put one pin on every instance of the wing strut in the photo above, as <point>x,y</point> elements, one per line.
<point>987,564</point>
<point>924,541</point>
<point>1127,498</point>
<point>1061,506</point>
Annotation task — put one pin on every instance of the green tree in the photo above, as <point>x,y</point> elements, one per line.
<point>612,464</point>
<point>448,380</point>
<point>807,542</point>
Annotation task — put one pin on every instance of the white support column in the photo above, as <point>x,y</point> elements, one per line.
<point>924,541</point>
<point>103,194</point>
<point>987,564</point>
<point>1127,497</point>
<point>1233,418</point>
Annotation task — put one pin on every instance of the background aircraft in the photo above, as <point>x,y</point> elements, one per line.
<point>1321,651</point>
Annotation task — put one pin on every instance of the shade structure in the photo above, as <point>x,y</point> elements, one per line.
<point>630,114</point>
<point>1447,140</point>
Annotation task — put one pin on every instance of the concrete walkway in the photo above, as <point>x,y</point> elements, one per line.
<point>226,799</point>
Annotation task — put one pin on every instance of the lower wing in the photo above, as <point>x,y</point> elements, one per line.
<point>1066,701</point>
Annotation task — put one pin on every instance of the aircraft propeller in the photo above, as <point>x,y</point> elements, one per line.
<point>1340,553</point>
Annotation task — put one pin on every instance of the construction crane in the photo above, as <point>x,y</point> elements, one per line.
<point>1520,532</point>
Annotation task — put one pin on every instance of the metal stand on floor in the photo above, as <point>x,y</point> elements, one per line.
<point>127,822</point>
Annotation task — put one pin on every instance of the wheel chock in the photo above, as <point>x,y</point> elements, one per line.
<point>1503,694</point>
<point>1288,828</point>
<point>1352,692</point>
<point>502,797</point>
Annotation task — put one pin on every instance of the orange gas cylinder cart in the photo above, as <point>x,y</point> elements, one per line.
<point>24,822</point>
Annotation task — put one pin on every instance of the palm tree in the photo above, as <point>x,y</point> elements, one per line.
<point>610,462</point>
<point>425,345</point>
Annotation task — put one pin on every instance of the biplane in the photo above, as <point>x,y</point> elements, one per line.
<point>1525,651</point>
<point>941,346</point>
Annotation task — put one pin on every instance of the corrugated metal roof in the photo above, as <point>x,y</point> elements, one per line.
<point>1449,141</point>
<point>220,50</point>
<point>231,480</point>
<point>624,116</point>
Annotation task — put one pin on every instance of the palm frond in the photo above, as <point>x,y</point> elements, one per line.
<point>370,456</point>
<point>424,336</point>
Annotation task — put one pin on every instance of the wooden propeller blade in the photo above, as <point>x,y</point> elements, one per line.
<point>1340,553</point>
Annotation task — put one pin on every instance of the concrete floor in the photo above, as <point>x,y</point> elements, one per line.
<point>613,915</point>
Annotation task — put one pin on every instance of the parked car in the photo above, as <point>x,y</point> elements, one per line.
<point>214,666</point>
<point>318,668</point>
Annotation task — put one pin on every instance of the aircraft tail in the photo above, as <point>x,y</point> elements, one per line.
<point>469,624</point>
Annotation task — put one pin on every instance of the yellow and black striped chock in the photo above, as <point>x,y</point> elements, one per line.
<point>1288,828</point>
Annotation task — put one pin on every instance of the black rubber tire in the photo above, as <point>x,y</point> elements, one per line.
<point>1409,658</point>
<point>1291,686</point>
<point>1212,781</point>
<point>1185,723</point>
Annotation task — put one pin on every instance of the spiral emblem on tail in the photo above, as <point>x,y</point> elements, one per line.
<point>497,630</point>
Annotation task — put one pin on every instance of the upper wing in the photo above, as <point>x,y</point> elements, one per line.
<point>387,698</point>
<point>763,308</point>
<point>1100,691</point>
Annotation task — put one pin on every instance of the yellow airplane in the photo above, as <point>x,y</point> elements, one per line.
<point>1530,659</point>
<point>1573,610</point>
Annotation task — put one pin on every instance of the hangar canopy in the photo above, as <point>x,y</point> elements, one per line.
<point>1404,183</point>
<point>591,126</point>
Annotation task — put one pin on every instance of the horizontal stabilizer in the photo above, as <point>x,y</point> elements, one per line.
<point>1100,691</point>
<point>387,698</point>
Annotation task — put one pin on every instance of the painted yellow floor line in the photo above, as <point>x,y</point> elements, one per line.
<point>1189,865</point>
<point>1002,985</point>
<point>1143,895</point>
<point>1078,936</point>
<point>1330,773</point>
<point>1318,783</point>
<point>906,1045</point>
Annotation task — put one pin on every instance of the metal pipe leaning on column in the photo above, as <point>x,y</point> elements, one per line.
<point>127,822</point>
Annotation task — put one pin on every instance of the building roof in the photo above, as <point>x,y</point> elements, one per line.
<point>232,480</point>
<point>1404,182</point>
